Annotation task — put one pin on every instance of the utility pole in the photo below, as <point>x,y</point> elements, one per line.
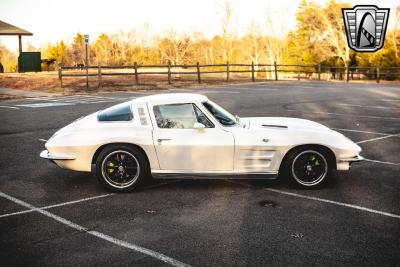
<point>87,60</point>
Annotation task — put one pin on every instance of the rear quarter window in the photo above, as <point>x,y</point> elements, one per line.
<point>120,112</point>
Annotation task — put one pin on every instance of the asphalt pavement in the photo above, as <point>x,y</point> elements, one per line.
<point>50,216</point>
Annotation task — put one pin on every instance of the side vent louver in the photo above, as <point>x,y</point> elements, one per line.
<point>274,126</point>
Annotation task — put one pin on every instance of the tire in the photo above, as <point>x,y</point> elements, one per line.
<point>307,167</point>
<point>121,168</point>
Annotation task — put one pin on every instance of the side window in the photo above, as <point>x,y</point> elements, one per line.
<point>175,116</point>
<point>202,118</point>
<point>120,112</point>
<point>180,116</point>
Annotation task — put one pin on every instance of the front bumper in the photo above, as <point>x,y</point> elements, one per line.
<point>46,155</point>
<point>344,163</point>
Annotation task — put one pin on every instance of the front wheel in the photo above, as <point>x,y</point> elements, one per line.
<point>308,167</point>
<point>121,168</point>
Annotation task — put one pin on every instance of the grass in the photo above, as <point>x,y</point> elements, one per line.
<point>48,82</point>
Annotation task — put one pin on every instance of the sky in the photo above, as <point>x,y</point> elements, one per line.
<point>55,20</point>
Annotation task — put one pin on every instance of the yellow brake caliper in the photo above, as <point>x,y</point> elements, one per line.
<point>110,164</point>
<point>314,159</point>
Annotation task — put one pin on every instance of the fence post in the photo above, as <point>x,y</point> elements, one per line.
<point>99,76</point>
<point>253,77</point>
<point>276,71</point>
<point>136,73</point>
<point>198,72</point>
<point>227,71</point>
<point>377,75</point>
<point>347,74</point>
<point>169,72</point>
<point>319,72</point>
<point>298,72</point>
<point>60,75</point>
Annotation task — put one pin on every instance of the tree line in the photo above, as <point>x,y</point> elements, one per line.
<point>319,38</point>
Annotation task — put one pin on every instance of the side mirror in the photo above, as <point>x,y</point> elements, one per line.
<point>198,126</point>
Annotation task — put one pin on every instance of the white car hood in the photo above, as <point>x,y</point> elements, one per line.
<point>283,123</point>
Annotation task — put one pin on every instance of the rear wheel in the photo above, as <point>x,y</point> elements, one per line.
<point>121,168</point>
<point>308,167</point>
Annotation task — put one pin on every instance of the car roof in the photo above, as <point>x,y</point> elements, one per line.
<point>171,98</point>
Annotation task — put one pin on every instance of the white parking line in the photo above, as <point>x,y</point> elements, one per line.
<point>366,106</point>
<point>219,92</point>
<point>324,200</point>
<point>82,200</point>
<point>383,162</point>
<point>345,114</point>
<point>46,104</point>
<point>335,203</point>
<point>9,107</point>
<point>359,131</point>
<point>67,100</point>
<point>377,138</point>
<point>389,100</point>
<point>102,236</point>
<point>54,206</point>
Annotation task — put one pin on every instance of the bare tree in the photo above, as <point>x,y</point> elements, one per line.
<point>396,35</point>
<point>226,23</point>
<point>274,43</point>
<point>335,34</point>
<point>174,49</point>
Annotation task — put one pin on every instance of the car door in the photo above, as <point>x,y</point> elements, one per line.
<point>181,147</point>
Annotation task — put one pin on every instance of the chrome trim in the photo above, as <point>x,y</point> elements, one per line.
<point>274,126</point>
<point>163,139</point>
<point>46,155</point>
<point>210,175</point>
<point>354,159</point>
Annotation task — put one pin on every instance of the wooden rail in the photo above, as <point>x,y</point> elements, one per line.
<point>276,71</point>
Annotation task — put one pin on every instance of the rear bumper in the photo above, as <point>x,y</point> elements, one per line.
<point>46,155</point>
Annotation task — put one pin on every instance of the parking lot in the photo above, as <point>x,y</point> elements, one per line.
<point>50,216</point>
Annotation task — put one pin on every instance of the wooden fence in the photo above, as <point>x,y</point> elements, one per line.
<point>199,71</point>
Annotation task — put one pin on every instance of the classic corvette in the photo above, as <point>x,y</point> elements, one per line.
<point>189,136</point>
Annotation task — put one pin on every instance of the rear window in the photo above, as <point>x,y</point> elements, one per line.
<point>121,112</point>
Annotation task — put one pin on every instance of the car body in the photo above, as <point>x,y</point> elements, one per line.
<point>189,136</point>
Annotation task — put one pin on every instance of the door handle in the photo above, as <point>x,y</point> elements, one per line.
<point>265,140</point>
<point>163,139</point>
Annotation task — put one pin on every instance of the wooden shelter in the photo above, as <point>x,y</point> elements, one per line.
<point>8,29</point>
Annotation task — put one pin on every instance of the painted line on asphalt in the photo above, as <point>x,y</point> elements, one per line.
<point>389,100</point>
<point>9,107</point>
<point>97,234</point>
<point>81,200</point>
<point>54,98</point>
<point>107,97</point>
<point>218,92</point>
<point>266,89</point>
<point>377,138</point>
<point>366,106</point>
<point>344,114</point>
<point>54,206</point>
<point>46,104</point>
<point>383,213</point>
<point>335,203</point>
<point>383,162</point>
<point>359,131</point>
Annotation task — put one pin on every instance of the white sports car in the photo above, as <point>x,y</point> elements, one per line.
<point>189,136</point>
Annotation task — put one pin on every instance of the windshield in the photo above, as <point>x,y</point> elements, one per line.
<point>223,116</point>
